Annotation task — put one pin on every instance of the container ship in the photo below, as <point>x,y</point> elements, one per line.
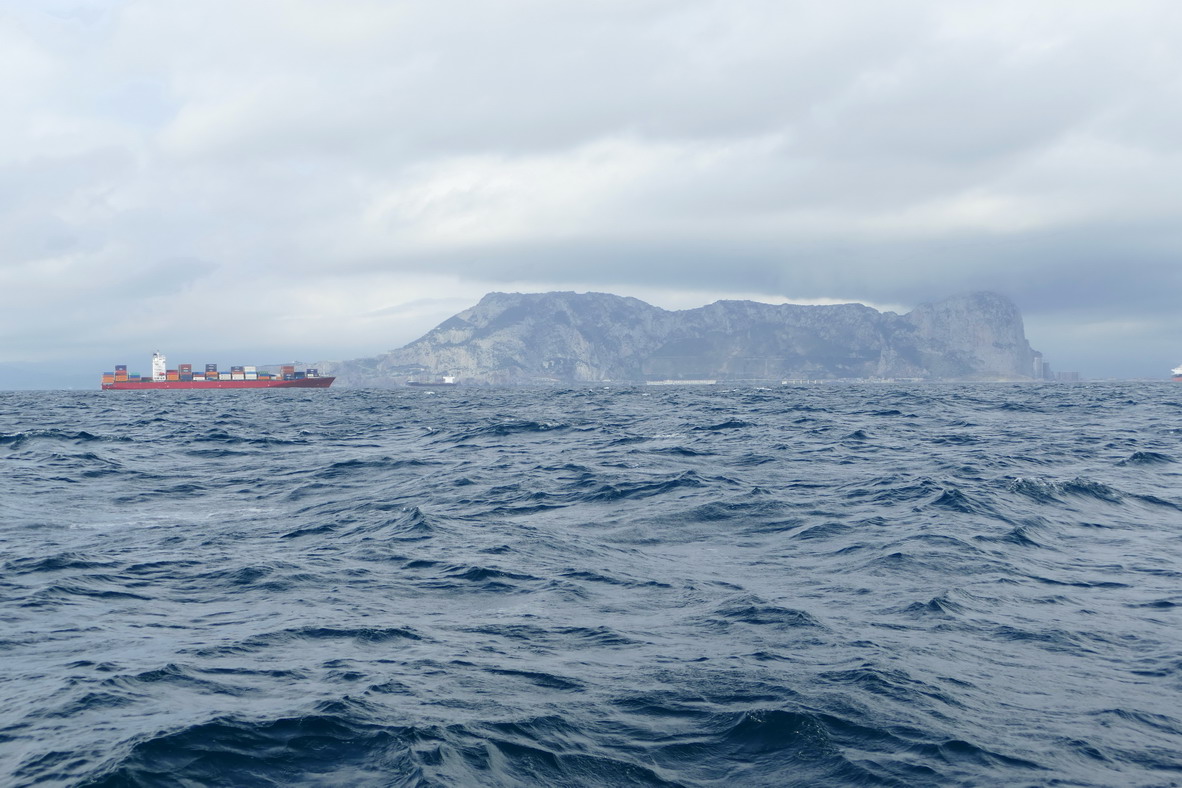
<point>183,377</point>
<point>445,382</point>
<point>1177,373</point>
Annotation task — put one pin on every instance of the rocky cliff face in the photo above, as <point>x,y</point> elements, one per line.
<point>975,335</point>
<point>569,337</point>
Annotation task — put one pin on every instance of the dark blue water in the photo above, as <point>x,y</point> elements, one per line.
<point>831,585</point>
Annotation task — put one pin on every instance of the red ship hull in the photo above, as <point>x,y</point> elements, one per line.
<point>141,385</point>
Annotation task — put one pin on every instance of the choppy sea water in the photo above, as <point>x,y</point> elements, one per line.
<point>827,585</point>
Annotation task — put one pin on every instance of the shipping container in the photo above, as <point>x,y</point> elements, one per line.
<point>248,376</point>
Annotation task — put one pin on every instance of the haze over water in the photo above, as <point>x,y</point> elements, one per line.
<point>693,586</point>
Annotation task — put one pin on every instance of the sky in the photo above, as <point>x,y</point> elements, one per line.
<point>258,181</point>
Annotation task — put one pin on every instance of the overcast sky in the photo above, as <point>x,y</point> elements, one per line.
<point>251,182</point>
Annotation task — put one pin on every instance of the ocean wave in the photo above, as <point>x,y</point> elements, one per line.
<point>863,584</point>
<point>331,746</point>
<point>1147,458</point>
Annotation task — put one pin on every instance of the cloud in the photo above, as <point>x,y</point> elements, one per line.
<point>306,172</point>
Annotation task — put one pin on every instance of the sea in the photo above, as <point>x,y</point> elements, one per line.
<point>813,585</point>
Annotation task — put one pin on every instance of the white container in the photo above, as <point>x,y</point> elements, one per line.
<point>237,376</point>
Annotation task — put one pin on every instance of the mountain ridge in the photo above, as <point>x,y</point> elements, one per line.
<point>568,337</point>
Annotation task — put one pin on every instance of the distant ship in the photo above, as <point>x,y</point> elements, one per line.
<point>183,377</point>
<point>443,382</point>
<point>1177,372</point>
<point>686,382</point>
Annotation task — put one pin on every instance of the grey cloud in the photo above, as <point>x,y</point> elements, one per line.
<point>169,277</point>
<point>887,153</point>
